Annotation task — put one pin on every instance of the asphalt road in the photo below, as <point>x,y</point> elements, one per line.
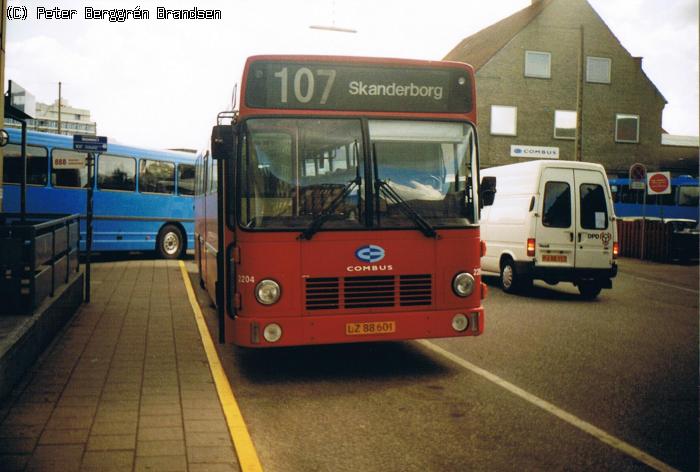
<point>626,364</point>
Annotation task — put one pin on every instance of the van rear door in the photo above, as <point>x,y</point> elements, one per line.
<point>594,232</point>
<point>554,236</point>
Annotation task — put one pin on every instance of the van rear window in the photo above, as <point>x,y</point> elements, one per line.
<point>594,210</point>
<point>556,212</point>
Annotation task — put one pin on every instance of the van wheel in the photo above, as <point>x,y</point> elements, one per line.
<point>589,290</point>
<point>511,281</point>
<point>170,242</point>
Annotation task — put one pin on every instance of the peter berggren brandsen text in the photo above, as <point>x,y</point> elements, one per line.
<point>121,15</point>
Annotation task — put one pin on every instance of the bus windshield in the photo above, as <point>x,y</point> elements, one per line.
<point>426,164</point>
<point>298,172</point>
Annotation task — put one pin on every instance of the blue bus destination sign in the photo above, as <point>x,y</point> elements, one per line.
<point>358,87</point>
<point>89,143</point>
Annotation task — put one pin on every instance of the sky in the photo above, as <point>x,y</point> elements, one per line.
<point>160,83</point>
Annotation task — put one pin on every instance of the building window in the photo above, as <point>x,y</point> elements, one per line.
<point>538,64</point>
<point>504,120</point>
<point>564,124</point>
<point>598,70</point>
<point>626,128</point>
<point>116,173</point>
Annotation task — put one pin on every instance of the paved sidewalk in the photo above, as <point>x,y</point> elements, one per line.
<point>126,386</point>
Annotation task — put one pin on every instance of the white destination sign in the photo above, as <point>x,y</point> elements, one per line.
<point>68,162</point>
<point>534,152</point>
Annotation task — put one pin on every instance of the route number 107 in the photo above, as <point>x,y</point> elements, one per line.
<point>304,84</point>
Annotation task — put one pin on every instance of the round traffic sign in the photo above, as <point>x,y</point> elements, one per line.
<point>637,171</point>
<point>658,183</point>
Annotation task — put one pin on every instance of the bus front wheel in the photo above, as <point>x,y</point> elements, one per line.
<point>170,242</point>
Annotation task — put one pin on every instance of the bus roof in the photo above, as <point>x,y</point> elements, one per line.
<point>37,138</point>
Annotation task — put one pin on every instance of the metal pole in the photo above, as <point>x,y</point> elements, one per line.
<point>3,32</point>
<point>88,223</point>
<point>579,101</point>
<point>59,108</point>
<point>644,218</point>
<point>23,189</point>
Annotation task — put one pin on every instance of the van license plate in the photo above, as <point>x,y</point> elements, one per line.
<point>553,258</point>
<point>370,327</point>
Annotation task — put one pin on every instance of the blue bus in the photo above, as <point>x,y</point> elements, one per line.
<point>681,203</point>
<point>143,198</point>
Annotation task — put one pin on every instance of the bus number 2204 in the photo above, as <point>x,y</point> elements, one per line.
<point>246,279</point>
<point>304,84</point>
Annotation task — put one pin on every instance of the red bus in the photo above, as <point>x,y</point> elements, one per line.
<point>340,203</point>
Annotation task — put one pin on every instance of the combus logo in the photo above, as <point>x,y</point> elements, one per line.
<point>370,253</point>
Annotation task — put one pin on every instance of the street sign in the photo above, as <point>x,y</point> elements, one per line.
<point>89,143</point>
<point>659,183</point>
<point>637,175</point>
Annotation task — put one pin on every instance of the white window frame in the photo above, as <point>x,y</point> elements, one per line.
<point>561,127</point>
<point>596,80</point>
<point>546,75</point>
<point>502,131</point>
<point>619,116</point>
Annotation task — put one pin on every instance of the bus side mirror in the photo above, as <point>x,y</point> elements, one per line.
<point>488,190</point>
<point>223,140</point>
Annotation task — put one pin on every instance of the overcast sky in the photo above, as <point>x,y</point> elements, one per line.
<point>160,83</point>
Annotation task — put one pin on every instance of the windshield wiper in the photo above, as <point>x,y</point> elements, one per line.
<point>325,215</point>
<point>386,190</point>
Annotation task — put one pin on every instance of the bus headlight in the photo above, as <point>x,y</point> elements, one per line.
<point>272,333</point>
<point>463,284</point>
<point>267,292</point>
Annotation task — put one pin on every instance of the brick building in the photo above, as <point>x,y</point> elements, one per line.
<point>533,88</point>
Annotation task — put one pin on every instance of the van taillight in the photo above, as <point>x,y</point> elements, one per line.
<point>531,247</point>
<point>483,248</point>
<point>616,249</point>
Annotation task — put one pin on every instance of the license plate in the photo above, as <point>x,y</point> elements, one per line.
<point>369,328</point>
<point>553,258</point>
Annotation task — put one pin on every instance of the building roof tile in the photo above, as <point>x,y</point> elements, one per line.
<point>480,47</point>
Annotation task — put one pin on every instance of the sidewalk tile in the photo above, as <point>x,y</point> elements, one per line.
<point>153,434</point>
<point>64,458</point>
<point>14,462</point>
<point>162,463</point>
<point>116,427</point>
<point>210,454</point>
<point>167,447</point>
<point>201,438</point>
<point>108,460</point>
<point>161,421</point>
<point>64,436</point>
<point>111,442</point>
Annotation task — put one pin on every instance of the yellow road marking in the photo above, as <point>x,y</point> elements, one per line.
<point>245,450</point>
<point>584,426</point>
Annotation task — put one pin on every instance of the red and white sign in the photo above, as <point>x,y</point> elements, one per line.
<point>658,183</point>
<point>637,175</point>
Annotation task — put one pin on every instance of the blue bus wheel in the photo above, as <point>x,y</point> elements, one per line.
<point>170,242</point>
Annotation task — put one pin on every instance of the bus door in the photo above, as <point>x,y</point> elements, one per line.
<point>555,229</point>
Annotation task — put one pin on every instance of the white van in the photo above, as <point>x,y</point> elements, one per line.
<point>553,221</point>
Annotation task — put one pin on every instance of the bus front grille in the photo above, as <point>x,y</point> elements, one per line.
<point>322,293</point>
<point>326,293</point>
